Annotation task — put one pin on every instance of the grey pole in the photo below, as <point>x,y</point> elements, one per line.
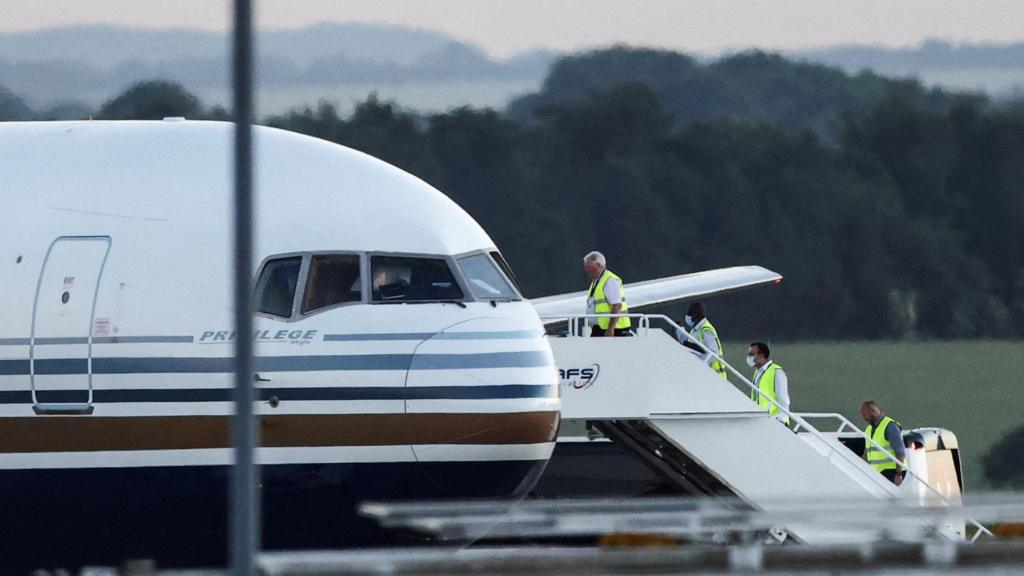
<point>245,487</point>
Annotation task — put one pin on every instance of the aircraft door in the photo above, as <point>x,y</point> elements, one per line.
<point>62,318</point>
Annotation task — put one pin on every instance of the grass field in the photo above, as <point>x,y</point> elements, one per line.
<point>973,388</point>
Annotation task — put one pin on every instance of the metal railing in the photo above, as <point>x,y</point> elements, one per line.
<point>578,324</point>
<point>643,327</point>
<point>845,424</point>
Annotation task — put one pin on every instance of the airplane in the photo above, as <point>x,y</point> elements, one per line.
<point>396,357</point>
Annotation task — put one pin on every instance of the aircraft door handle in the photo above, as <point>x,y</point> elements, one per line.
<point>257,378</point>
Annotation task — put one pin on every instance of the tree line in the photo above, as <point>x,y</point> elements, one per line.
<point>892,210</point>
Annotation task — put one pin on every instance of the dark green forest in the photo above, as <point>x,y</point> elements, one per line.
<point>892,210</point>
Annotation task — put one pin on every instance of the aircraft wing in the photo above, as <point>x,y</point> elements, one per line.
<point>662,290</point>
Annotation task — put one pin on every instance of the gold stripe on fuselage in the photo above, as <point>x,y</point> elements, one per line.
<point>88,433</point>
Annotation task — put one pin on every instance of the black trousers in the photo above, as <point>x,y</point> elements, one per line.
<point>890,474</point>
<point>597,331</point>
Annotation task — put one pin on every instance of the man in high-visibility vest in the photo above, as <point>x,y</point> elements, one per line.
<point>605,296</point>
<point>888,434</point>
<point>704,332</point>
<point>769,380</point>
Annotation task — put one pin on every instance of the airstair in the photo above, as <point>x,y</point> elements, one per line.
<point>704,436</point>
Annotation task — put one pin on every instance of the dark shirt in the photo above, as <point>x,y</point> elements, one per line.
<point>894,436</point>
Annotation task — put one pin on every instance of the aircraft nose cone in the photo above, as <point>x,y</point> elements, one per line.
<point>490,389</point>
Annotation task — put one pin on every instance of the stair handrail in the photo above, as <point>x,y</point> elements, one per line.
<point>845,422</point>
<point>574,325</point>
<point>801,422</point>
<point>848,455</point>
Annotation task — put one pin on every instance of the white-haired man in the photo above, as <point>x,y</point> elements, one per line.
<point>605,296</point>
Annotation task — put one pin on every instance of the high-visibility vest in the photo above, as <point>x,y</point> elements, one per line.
<point>765,389</point>
<point>875,457</point>
<point>601,305</point>
<point>715,364</point>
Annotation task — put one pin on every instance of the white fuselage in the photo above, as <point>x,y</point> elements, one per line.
<point>116,332</point>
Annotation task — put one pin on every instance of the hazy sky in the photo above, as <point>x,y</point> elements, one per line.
<point>506,27</point>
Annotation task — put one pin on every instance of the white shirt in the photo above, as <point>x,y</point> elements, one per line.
<point>709,340</point>
<point>612,293</point>
<point>781,385</point>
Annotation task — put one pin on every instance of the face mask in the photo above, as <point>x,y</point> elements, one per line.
<point>750,361</point>
<point>688,320</point>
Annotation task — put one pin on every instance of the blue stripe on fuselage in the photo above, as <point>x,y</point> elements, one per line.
<point>504,335</point>
<point>358,337</point>
<point>96,340</point>
<point>13,367</point>
<point>496,392</point>
<point>190,365</point>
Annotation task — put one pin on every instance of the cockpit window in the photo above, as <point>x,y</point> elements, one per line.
<point>405,279</point>
<point>275,288</point>
<point>500,261</point>
<point>333,279</point>
<point>485,281</point>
